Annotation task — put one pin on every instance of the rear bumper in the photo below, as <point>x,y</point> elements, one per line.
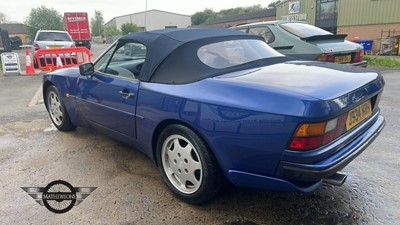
<point>334,163</point>
<point>360,64</point>
<point>307,177</point>
<point>244,179</point>
<point>86,43</point>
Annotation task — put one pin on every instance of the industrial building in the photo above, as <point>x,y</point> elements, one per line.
<point>152,20</point>
<point>374,20</point>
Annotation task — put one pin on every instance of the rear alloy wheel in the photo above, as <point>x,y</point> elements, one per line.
<point>57,111</point>
<point>187,165</point>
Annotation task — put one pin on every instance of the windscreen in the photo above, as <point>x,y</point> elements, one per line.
<point>304,30</point>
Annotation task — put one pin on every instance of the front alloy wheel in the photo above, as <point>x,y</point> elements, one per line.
<point>57,111</point>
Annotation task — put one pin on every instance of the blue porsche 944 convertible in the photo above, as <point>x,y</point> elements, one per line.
<point>216,105</point>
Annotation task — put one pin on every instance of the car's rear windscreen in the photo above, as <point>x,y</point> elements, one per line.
<point>53,36</point>
<point>303,30</point>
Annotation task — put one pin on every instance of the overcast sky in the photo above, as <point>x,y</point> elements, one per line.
<point>18,10</point>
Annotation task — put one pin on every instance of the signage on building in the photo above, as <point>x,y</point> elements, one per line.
<point>295,17</point>
<point>294,7</point>
<point>10,63</point>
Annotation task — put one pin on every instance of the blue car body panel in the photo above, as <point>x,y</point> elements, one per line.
<point>246,117</point>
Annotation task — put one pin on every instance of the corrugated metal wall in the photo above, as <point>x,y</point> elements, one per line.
<point>306,6</point>
<point>351,12</point>
<point>362,12</point>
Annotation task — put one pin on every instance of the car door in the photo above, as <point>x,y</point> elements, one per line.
<point>108,98</point>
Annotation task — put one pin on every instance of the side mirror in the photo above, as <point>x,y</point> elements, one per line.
<point>86,69</point>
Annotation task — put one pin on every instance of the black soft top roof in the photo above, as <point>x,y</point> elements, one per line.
<point>172,53</point>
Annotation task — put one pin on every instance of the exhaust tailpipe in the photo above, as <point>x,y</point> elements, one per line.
<point>336,179</point>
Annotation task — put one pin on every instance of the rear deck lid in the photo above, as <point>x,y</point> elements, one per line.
<point>325,81</point>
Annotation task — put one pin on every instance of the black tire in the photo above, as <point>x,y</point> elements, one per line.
<point>88,45</point>
<point>184,158</point>
<point>58,114</point>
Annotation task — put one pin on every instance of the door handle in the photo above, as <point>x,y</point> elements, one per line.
<point>126,94</point>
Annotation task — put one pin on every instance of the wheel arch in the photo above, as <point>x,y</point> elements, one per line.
<point>46,85</point>
<point>161,126</point>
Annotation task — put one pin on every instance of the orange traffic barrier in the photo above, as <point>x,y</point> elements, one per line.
<point>29,67</point>
<point>52,59</point>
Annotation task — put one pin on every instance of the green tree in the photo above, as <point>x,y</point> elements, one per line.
<point>208,14</point>
<point>43,18</point>
<point>96,23</point>
<point>129,27</point>
<point>239,10</point>
<point>3,18</point>
<point>203,16</point>
<point>109,31</point>
<point>273,4</point>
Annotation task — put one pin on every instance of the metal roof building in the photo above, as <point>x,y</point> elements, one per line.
<point>152,20</point>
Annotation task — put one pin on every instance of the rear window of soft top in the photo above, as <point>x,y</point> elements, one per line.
<point>231,53</point>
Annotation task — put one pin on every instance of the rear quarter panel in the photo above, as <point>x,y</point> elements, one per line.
<point>247,125</point>
<point>241,139</point>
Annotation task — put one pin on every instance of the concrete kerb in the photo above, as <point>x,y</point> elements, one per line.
<point>37,98</point>
<point>37,72</point>
<point>23,73</point>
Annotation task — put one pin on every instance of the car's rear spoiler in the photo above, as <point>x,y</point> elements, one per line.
<point>325,37</point>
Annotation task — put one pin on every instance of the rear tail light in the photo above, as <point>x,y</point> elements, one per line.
<point>36,46</point>
<point>326,58</point>
<point>310,136</point>
<point>358,56</point>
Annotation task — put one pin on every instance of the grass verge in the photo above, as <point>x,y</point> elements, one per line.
<point>383,61</point>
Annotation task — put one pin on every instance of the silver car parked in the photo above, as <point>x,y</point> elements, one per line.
<point>308,42</point>
<point>51,39</point>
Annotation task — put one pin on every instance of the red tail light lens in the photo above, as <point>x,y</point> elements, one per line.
<point>358,56</point>
<point>326,58</point>
<point>310,136</point>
